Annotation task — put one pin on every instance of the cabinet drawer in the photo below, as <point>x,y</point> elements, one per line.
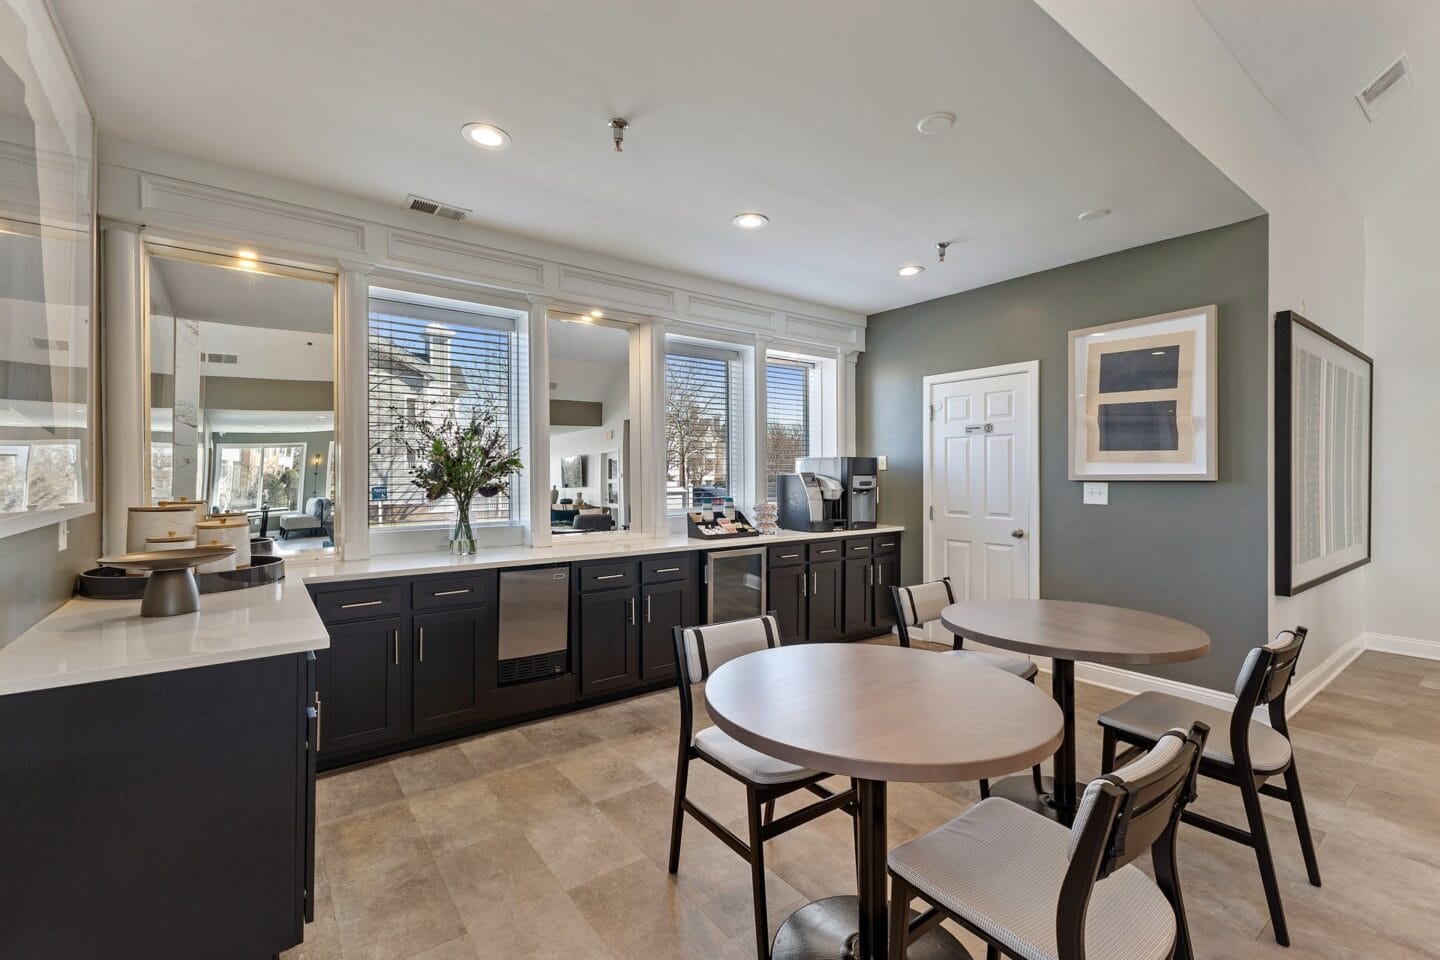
<point>360,603</point>
<point>862,547</point>
<point>887,543</point>
<point>471,590</point>
<point>606,576</point>
<point>788,556</point>
<point>662,569</point>
<point>826,550</point>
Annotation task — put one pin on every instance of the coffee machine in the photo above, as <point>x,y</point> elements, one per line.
<point>829,493</point>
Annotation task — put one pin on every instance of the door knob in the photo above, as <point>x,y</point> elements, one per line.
<point>1018,534</point>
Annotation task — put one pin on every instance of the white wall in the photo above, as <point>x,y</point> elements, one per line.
<point>1176,63</point>
<point>1402,333</point>
<point>607,384</point>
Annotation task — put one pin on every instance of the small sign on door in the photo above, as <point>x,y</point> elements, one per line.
<point>980,428</point>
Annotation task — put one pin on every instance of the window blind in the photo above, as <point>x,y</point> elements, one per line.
<point>702,442</point>
<point>788,421</point>
<point>431,362</point>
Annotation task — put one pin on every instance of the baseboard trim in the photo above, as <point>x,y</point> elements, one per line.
<point>1404,646</point>
<point>1312,681</point>
<point>1128,681</point>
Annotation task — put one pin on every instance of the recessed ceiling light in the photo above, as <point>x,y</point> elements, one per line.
<point>486,135</point>
<point>935,123</point>
<point>750,220</point>
<point>597,313</point>
<point>1096,214</point>
<point>247,255</point>
<point>911,270</point>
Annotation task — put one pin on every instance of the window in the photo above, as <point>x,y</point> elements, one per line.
<point>433,362</point>
<point>38,476</point>
<point>251,476</point>
<point>791,423</point>
<point>703,420</point>
<point>162,471</point>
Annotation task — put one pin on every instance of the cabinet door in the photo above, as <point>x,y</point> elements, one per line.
<point>824,609</point>
<point>789,595</point>
<point>859,594</point>
<point>609,641</point>
<point>451,651</point>
<point>663,606</point>
<point>358,686</point>
<point>887,575</point>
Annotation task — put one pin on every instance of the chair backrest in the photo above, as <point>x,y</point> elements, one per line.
<point>700,651</point>
<point>920,604</point>
<point>1267,671</point>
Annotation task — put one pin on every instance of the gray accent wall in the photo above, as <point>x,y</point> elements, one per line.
<point>1193,550</point>
<point>36,578</point>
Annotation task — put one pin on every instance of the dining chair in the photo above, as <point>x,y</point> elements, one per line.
<point>1248,758</point>
<point>920,605</point>
<point>699,652</point>
<point>1033,889</point>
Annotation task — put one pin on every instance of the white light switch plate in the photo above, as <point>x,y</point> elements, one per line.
<point>64,535</point>
<point>1097,494</point>
<point>883,465</point>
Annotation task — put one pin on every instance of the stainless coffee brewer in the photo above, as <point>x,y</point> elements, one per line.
<point>829,493</point>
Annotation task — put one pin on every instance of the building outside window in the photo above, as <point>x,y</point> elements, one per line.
<point>703,428</point>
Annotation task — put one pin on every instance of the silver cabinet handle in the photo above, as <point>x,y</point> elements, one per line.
<point>396,640</point>
<point>804,585</point>
<point>318,716</point>
<point>789,556</point>
<point>869,576</point>
<point>422,644</point>
<point>668,570</point>
<point>450,593</point>
<point>879,576</point>
<point>365,603</point>
<point>647,608</point>
<point>612,576</point>
<point>814,583</point>
<point>831,550</point>
<point>632,611</point>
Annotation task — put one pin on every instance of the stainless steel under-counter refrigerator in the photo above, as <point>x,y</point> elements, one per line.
<point>734,584</point>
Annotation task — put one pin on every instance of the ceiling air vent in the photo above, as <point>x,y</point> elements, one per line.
<point>40,343</point>
<point>435,208</point>
<point>229,358</point>
<point>1384,89</point>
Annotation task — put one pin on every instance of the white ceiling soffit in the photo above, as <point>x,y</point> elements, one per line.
<point>202,291</point>
<point>1310,59</point>
<point>803,110</point>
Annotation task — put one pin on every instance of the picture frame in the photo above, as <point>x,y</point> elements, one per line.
<point>1143,403</point>
<point>1324,443</point>
<point>572,471</point>
<point>48,465</point>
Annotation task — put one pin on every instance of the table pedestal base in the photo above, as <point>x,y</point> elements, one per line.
<point>1021,790</point>
<point>825,930</point>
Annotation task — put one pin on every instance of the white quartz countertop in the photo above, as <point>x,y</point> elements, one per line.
<point>565,549</point>
<point>91,640</point>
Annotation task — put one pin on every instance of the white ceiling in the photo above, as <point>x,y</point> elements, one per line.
<point>804,110</point>
<point>590,342</point>
<point>201,291</point>
<point>1311,58</point>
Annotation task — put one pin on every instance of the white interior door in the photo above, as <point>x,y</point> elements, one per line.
<point>981,483</point>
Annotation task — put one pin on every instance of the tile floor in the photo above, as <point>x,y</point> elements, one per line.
<point>549,840</point>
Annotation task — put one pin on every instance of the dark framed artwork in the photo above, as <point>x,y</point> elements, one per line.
<point>1324,393</point>
<point>1143,399</point>
<point>572,471</point>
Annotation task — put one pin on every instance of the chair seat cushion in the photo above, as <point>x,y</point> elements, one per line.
<point>1001,867</point>
<point>1022,668</point>
<point>751,765</point>
<point>1150,714</point>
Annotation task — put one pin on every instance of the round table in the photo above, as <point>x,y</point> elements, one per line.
<point>877,714</point>
<point>1066,631</point>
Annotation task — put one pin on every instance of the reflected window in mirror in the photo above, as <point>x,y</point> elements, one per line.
<point>590,424</point>
<point>242,394</point>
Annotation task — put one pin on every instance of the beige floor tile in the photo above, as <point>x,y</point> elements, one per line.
<point>561,734</point>
<point>600,772</point>
<point>461,948</point>
<point>396,912</point>
<point>385,838</point>
<point>458,815</point>
<point>638,912</point>
<point>322,937</point>
<point>580,845</point>
<point>354,790</point>
<point>654,752</point>
<point>536,792</point>
<point>433,767</point>
<point>500,750</point>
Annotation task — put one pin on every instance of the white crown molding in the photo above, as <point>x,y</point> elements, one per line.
<point>239,216</point>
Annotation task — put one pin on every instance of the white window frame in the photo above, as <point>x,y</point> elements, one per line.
<point>816,417</point>
<point>261,445</point>
<point>741,426</point>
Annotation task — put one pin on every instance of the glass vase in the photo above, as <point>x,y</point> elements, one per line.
<point>462,538</point>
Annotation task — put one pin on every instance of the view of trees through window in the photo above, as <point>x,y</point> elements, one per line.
<point>251,476</point>
<point>38,476</point>
<point>788,424</point>
<point>700,449</point>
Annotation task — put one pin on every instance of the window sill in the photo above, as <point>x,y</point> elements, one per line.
<point>15,523</point>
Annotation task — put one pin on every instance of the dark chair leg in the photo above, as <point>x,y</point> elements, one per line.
<point>984,789</point>
<point>1037,778</point>
<point>769,812</point>
<point>900,897</point>
<point>1167,877</point>
<point>757,876</point>
<point>1256,816</point>
<point>1107,752</point>
<point>1302,824</point>
<point>992,952</point>
<point>677,821</point>
<point>855,832</point>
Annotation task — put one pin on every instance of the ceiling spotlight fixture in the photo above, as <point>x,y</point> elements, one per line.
<point>1098,213</point>
<point>935,123</point>
<point>750,220</point>
<point>486,135</point>
<point>597,314</point>
<point>247,255</point>
<point>910,270</point>
<point>940,249</point>
<point>618,126</point>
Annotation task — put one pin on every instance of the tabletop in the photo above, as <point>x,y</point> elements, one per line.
<point>883,713</point>
<point>1070,630</point>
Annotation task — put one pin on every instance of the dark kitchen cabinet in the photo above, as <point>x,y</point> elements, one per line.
<point>609,631</point>
<point>789,597</point>
<point>859,594</point>
<point>824,609</point>
<point>454,656</point>
<point>887,575</point>
<point>663,606</point>
<point>359,685</point>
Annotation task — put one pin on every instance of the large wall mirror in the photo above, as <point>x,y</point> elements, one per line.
<point>590,424</point>
<point>47,265</point>
<point>242,394</point>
